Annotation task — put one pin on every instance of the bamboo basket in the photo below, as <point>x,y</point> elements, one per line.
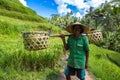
<point>95,36</point>
<point>35,40</point>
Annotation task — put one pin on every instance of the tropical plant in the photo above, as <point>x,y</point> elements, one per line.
<point>63,21</point>
<point>106,18</point>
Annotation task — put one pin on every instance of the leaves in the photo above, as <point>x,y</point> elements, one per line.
<point>63,21</point>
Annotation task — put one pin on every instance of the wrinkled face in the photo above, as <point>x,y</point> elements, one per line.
<point>76,30</point>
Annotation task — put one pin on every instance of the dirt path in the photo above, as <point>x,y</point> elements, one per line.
<point>61,76</point>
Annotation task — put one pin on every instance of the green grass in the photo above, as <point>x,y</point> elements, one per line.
<point>10,26</point>
<point>16,63</point>
<point>15,9</point>
<point>13,54</point>
<point>12,74</point>
<point>101,66</point>
<point>17,15</point>
<point>115,58</point>
<point>14,59</point>
<point>15,5</point>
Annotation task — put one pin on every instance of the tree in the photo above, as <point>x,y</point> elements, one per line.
<point>107,18</point>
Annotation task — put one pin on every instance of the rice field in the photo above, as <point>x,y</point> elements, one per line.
<point>17,63</point>
<point>101,66</point>
<point>14,59</point>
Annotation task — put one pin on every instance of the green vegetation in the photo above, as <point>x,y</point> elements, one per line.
<point>63,21</point>
<point>21,16</point>
<point>101,66</point>
<point>16,63</point>
<point>12,74</point>
<point>16,60</point>
<point>15,9</point>
<point>15,26</point>
<point>15,5</point>
<point>115,58</point>
<point>106,18</point>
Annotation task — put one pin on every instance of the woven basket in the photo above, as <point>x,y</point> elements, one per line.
<point>35,40</point>
<point>95,36</point>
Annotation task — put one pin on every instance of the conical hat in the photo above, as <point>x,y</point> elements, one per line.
<point>70,29</point>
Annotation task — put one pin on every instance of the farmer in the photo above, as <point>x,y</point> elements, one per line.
<point>78,46</point>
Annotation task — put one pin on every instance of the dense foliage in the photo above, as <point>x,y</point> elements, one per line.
<point>107,19</point>
<point>63,21</point>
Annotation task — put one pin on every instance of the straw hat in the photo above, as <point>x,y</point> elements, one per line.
<point>70,29</point>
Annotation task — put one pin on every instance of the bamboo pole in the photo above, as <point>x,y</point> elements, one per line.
<point>58,35</point>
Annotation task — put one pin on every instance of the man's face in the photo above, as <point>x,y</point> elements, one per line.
<point>76,30</point>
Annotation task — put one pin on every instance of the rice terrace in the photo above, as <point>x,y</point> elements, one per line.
<point>31,47</point>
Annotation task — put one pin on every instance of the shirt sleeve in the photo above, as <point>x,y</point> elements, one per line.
<point>86,44</point>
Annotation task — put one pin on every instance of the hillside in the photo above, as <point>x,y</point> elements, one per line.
<point>14,9</point>
<point>16,63</point>
<point>13,26</point>
<point>16,18</point>
<point>104,63</point>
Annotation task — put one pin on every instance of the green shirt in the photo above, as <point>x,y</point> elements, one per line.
<point>77,48</point>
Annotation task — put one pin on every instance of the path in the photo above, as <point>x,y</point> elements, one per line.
<point>61,76</point>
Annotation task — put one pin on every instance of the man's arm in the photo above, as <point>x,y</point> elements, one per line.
<point>64,42</point>
<point>87,57</point>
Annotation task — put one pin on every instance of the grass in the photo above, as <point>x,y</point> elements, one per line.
<point>114,57</point>
<point>17,15</point>
<point>12,74</point>
<point>101,66</point>
<point>16,63</point>
<point>10,26</point>
<point>41,65</point>
<point>15,5</point>
<point>18,57</point>
<point>15,9</point>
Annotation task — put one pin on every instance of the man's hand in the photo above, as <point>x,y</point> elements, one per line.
<point>64,42</point>
<point>62,36</point>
